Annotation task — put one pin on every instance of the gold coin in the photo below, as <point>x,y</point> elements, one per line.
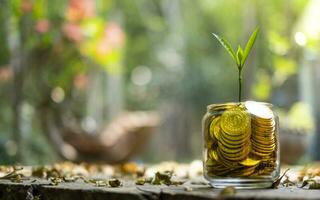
<point>225,161</point>
<point>259,145</point>
<point>268,159</point>
<point>260,110</point>
<point>262,150</point>
<point>239,137</point>
<point>206,131</point>
<point>215,128</point>
<point>257,122</point>
<point>234,156</point>
<point>262,154</point>
<point>224,106</point>
<point>263,140</point>
<point>248,172</point>
<point>266,144</point>
<point>228,149</point>
<point>250,162</point>
<point>232,143</point>
<point>213,154</point>
<point>211,163</point>
<point>242,171</point>
<point>235,121</point>
<point>223,172</point>
<point>218,168</point>
<point>261,129</point>
<point>268,126</point>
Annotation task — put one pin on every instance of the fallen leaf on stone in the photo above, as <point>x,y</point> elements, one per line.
<point>313,184</point>
<point>162,178</point>
<point>228,191</point>
<point>14,176</point>
<point>100,183</point>
<point>140,181</point>
<point>114,182</point>
<point>177,182</point>
<point>55,181</point>
<point>188,189</point>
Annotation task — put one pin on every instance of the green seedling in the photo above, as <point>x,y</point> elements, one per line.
<point>239,56</point>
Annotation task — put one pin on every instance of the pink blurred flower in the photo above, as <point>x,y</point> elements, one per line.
<point>113,37</point>
<point>5,74</point>
<point>80,81</point>
<point>42,26</point>
<point>73,32</point>
<point>80,9</point>
<point>26,6</point>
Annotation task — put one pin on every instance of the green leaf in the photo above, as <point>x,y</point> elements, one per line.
<point>239,57</point>
<point>249,45</point>
<point>227,46</point>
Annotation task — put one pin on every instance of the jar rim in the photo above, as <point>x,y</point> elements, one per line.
<point>212,106</point>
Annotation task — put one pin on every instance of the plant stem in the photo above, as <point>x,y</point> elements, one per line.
<point>240,84</point>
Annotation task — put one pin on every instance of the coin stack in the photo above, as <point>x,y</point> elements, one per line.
<point>263,136</point>
<point>240,140</point>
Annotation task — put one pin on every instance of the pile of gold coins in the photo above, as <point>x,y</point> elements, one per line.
<point>240,140</point>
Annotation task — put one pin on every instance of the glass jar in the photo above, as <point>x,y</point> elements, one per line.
<point>241,145</point>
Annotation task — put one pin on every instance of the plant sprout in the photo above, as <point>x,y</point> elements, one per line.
<point>240,55</point>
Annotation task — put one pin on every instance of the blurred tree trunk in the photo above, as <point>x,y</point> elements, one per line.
<point>250,23</point>
<point>114,97</point>
<point>309,82</point>
<point>94,103</point>
<point>13,40</point>
<point>179,116</point>
<point>316,107</point>
<point>16,34</point>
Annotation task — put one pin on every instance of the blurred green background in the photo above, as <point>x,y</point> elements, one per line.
<point>86,61</point>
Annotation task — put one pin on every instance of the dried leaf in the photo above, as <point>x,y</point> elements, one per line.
<point>99,183</point>
<point>53,173</point>
<point>228,191</point>
<point>16,179</point>
<point>188,189</point>
<point>55,181</point>
<point>12,174</point>
<point>70,179</point>
<point>140,181</point>
<point>114,182</point>
<point>162,178</point>
<point>40,172</point>
<point>278,181</point>
<point>314,186</point>
<point>177,182</point>
<point>149,180</point>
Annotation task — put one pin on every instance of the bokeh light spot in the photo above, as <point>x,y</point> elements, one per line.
<point>141,75</point>
<point>57,94</point>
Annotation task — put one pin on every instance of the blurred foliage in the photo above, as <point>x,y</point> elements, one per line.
<point>66,40</point>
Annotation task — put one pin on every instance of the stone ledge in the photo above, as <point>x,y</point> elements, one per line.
<point>41,189</point>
